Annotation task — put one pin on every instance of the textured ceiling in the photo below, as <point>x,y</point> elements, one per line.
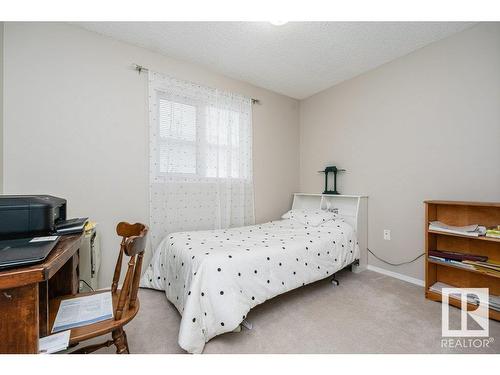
<point>297,59</point>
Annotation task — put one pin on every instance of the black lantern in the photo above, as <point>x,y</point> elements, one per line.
<point>327,170</point>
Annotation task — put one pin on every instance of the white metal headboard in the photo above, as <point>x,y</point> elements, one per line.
<point>353,208</point>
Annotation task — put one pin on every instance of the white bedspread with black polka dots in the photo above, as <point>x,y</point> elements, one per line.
<point>215,277</point>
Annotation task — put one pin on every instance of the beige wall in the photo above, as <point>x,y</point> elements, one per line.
<point>425,126</point>
<point>76,126</point>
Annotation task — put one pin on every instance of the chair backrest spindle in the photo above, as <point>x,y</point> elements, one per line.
<point>118,269</point>
<point>132,245</point>
<point>135,281</point>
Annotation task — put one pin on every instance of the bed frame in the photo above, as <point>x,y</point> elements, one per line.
<point>354,209</point>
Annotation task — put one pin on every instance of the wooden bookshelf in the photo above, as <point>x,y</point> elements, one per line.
<point>459,214</point>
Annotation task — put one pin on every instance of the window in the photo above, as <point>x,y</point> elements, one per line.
<point>223,145</point>
<point>177,140</point>
<point>200,139</point>
<point>200,158</point>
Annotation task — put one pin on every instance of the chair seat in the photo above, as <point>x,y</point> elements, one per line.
<point>83,333</point>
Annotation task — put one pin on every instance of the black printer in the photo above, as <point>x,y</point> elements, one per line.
<point>30,215</point>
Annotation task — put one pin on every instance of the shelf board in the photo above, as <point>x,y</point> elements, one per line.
<point>447,264</point>
<point>437,296</point>
<point>464,203</point>
<point>480,238</point>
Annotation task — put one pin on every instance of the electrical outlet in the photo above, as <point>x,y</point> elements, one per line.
<point>387,234</point>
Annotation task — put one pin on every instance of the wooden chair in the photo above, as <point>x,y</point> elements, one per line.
<point>125,302</point>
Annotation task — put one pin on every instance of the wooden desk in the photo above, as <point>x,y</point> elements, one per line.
<point>25,293</point>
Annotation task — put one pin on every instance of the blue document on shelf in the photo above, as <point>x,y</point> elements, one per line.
<point>82,311</point>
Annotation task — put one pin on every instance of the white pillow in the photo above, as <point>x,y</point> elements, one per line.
<point>310,217</point>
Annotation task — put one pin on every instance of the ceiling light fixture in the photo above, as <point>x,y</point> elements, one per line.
<point>278,23</point>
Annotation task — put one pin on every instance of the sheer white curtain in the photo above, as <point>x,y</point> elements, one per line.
<point>200,158</point>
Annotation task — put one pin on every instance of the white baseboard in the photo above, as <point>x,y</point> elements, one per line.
<point>396,275</point>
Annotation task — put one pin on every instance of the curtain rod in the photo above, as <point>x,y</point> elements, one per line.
<point>141,69</point>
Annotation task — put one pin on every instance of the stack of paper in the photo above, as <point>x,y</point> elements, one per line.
<point>474,230</point>
<point>438,287</point>
<point>456,263</point>
<point>82,311</point>
<point>54,343</point>
<point>489,267</point>
<point>494,301</point>
<point>71,226</point>
<point>493,232</point>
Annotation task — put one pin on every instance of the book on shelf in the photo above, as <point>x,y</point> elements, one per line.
<point>466,261</point>
<point>453,262</point>
<point>493,303</point>
<point>493,232</point>
<point>489,264</point>
<point>474,230</point>
<point>438,288</point>
<point>457,256</point>
<point>490,267</point>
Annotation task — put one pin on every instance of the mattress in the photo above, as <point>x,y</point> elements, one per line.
<point>215,277</point>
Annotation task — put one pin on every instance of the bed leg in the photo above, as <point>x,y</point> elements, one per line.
<point>245,323</point>
<point>355,263</point>
<point>335,282</point>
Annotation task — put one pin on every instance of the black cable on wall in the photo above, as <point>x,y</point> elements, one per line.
<point>395,264</point>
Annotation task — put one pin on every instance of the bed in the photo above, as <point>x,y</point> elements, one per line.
<point>215,277</point>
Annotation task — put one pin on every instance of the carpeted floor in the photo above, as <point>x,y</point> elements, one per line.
<point>367,313</point>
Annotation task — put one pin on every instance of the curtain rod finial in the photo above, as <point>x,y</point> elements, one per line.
<point>139,68</point>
